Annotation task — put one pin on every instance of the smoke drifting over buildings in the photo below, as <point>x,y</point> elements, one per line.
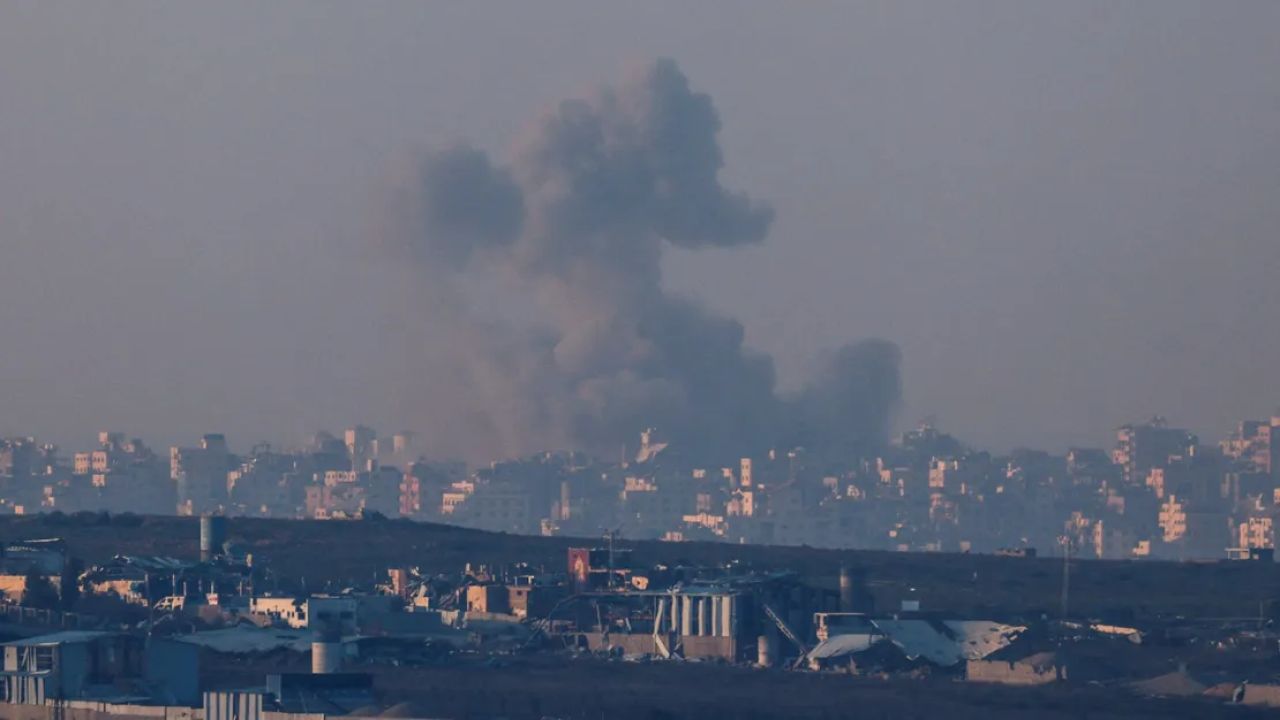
<point>576,220</point>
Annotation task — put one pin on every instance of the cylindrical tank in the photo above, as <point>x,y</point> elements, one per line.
<point>765,651</point>
<point>686,615</point>
<point>847,592</point>
<point>714,628</point>
<point>213,533</point>
<point>326,657</point>
<point>662,616</point>
<point>566,499</point>
<point>726,617</point>
<point>704,616</point>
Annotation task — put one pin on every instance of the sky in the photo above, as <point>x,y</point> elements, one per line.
<point>1067,215</point>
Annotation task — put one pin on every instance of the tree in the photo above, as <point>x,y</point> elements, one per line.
<point>71,571</point>
<point>39,592</point>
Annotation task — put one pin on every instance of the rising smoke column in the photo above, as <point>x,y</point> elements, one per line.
<point>844,410</point>
<point>578,219</point>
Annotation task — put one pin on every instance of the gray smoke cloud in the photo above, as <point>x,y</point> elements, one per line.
<point>846,407</point>
<point>576,223</point>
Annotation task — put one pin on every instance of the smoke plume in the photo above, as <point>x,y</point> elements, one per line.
<point>576,222</point>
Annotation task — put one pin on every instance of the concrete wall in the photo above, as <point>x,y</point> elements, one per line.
<point>407,623</point>
<point>1264,695</point>
<point>694,646</point>
<point>284,609</point>
<point>74,660</point>
<point>487,599</point>
<point>86,710</point>
<point>232,705</point>
<point>174,668</point>
<point>630,644</point>
<point>1013,673</point>
<point>710,646</point>
<point>77,710</point>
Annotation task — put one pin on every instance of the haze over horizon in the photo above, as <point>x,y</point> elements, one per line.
<point>1063,228</point>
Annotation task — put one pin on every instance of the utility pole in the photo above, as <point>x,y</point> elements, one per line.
<point>1066,575</point>
<point>609,537</point>
<point>151,607</point>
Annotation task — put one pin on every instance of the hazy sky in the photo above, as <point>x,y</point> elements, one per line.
<point>1066,213</point>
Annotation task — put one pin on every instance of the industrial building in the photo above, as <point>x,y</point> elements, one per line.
<point>86,664</point>
<point>720,617</point>
<point>696,622</point>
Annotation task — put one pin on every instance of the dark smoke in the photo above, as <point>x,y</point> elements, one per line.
<point>467,205</point>
<point>845,408</point>
<point>577,223</point>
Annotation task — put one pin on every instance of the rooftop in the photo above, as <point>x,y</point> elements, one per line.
<point>58,638</point>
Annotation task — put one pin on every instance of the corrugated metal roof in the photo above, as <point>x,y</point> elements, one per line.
<point>844,645</point>
<point>250,640</point>
<point>68,636</point>
<point>153,562</point>
<point>943,643</point>
<point>979,638</point>
<point>954,641</point>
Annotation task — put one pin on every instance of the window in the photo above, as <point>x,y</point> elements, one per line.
<point>43,658</point>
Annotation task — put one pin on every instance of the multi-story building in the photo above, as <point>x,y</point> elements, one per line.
<point>423,486</point>
<point>1195,533</point>
<point>1255,445</point>
<point>1142,447</point>
<point>200,474</point>
<point>1173,519</point>
<point>362,447</point>
<point>121,476</point>
<point>1256,532</point>
<point>266,483</point>
<point>317,612</point>
<point>18,458</point>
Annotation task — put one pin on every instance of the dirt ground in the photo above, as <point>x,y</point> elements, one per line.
<point>539,687</point>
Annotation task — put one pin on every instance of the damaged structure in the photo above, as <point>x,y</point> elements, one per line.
<point>859,643</point>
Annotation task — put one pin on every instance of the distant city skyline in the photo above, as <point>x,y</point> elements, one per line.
<point>1156,491</point>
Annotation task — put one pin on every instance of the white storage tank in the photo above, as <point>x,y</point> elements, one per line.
<point>326,655</point>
